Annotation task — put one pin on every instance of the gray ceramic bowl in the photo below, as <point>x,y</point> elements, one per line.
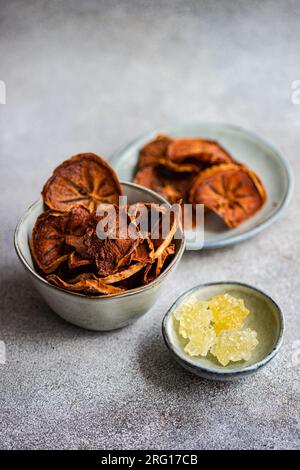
<point>265,317</point>
<point>95,313</point>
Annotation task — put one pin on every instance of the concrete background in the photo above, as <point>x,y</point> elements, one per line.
<point>91,76</point>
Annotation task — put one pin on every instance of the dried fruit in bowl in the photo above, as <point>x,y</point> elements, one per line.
<point>85,180</point>
<point>48,242</point>
<point>98,245</point>
<point>89,286</point>
<point>232,191</point>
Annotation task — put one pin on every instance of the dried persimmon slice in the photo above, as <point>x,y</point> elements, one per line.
<point>155,153</point>
<point>204,151</point>
<point>154,269</point>
<point>170,250</point>
<point>109,254</point>
<point>83,179</point>
<point>232,191</point>
<point>92,286</point>
<point>170,219</point>
<point>47,241</point>
<point>112,249</point>
<point>52,234</point>
<point>171,188</point>
<point>123,274</point>
<point>76,260</point>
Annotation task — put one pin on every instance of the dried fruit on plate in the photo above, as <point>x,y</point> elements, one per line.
<point>84,180</point>
<point>200,171</point>
<point>171,187</point>
<point>232,191</point>
<point>201,150</point>
<point>155,153</point>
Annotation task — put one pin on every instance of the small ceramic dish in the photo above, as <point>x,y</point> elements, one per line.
<point>247,148</point>
<point>265,317</point>
<point>91,312</point>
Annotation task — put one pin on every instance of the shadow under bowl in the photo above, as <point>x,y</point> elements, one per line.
<point>100,313</point>
<point>265,318</point>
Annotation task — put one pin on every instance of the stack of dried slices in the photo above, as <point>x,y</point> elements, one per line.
<point>200,171</point>
<point>66,246</point>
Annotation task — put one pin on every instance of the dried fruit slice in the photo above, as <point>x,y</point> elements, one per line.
<point>92,286</point>
<point>169,222</point>
<point>234,345</point>
<point>170,250</point>
<point>232,191</point>
<point>85,180</point>
<point>76,260</point>
<point>48,242</point>
<point>124,274</point>
<point>203,151</point>
<point>154,150</point>
<point>171,187</point>
<point>155,153</point>
<point>143,252</point>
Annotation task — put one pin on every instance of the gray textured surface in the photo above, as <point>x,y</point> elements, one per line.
<point>90,76</point>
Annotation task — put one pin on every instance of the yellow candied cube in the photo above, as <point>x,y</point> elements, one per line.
<point>192,315</point>
<point>228,312</point>
<point>201,341</point>
<point>234,345</point>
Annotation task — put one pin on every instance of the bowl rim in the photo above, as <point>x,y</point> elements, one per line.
<point>230,240</point>
<point>130,292</point>
<point>215,372</point>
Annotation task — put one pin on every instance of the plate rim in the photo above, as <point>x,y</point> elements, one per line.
<point>231,240</point>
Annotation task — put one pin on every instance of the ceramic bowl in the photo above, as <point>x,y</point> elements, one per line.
<point>265,317</point>
<point>96,313</point>
<point>246,147</point>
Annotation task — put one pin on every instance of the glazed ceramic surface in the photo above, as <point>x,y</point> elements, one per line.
<point>247,148</point>
<point>91,312</point>
<point>265,317</point>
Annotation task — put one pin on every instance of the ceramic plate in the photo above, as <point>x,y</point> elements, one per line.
<point>247,148</point>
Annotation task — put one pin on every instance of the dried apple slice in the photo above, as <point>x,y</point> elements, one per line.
<point>92,286</point>
<point>201,150</point>
<point>85,180</point>
<point>232,191</point>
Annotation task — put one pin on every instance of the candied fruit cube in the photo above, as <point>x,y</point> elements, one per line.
<point>234,345</point>
<point>228,312</point>
<point>192,315</point>
<point>187,305</point>
<point>201,341</point>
